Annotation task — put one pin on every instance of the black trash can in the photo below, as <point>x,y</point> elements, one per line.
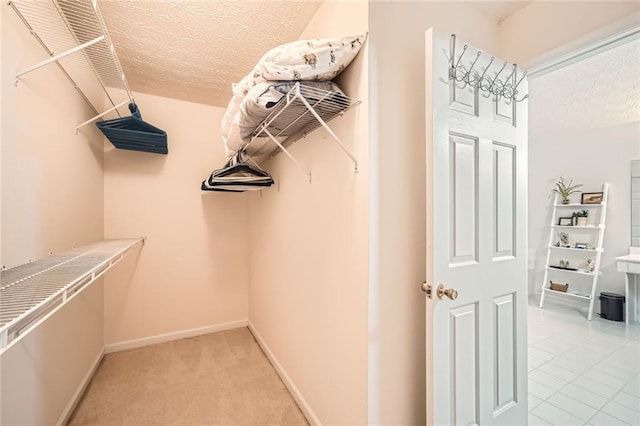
<point>611,306</point>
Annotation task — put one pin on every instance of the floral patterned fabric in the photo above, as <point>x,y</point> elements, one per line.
<point>317,60</point>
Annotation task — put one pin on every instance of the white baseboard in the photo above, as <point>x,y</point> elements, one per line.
<point>161,338</point>
<point>64,418</point>
<point>302,403</point>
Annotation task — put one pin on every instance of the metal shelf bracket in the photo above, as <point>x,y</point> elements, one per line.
<point>294,117</point>
<point>75,26</point>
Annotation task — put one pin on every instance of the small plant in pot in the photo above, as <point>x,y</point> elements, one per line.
<point>582,217</point>
<point>564,189</point>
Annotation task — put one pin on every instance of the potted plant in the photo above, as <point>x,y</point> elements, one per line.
<point>564,189</point>
<point>582,217</point>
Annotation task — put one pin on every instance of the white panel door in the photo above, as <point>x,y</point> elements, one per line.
<point>476,245</point>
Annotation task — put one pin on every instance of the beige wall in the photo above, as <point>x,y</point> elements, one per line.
<point>51,178</point>
<point>309,243</point>
<point>193,271</point>
<point>51,200</point>
<point>43,374</point>
<point>1,120</point>
<point>2,76</point>
<point>546,25</point>
<point>398,245</point>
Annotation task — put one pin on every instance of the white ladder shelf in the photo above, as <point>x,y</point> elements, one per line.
<point>589,232</point>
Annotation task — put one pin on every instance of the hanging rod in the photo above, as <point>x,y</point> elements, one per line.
<point>56,58</point>
<point>506,88</point>
<point>101,114</point>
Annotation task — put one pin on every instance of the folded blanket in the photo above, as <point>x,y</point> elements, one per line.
<point>317,59</point>
<point>314,60</point>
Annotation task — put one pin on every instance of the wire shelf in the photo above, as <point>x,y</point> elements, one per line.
<point>30,292</point>
<point>571,294</point>
<point>301,111</point>
<point>74,35</point>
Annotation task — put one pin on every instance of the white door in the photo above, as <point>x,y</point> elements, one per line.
<point>476,245</point>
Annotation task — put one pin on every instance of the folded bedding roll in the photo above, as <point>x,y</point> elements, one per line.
<point>316,59</point>
<point>230,129</point>
<point>312,62</point>
<point>320,59</point>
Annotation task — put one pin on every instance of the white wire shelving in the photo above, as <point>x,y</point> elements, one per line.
<point>74,36</point>
<point>32,292</point>
<point>302,110</point>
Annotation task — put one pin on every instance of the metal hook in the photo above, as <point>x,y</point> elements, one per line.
<point>507,92</point>
<point>466,78</point>
<point>495,86</point>
<point>520,81</point>
<point>493,83</point>
<point>454,68</point>
<point>485,71</point>
<point>511,75</point>
<point>464,49</point>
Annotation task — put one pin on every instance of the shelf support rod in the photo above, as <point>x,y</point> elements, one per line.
<point>300,166</point>
<point>100,115</point>
<point>59,56</point>
<point>328,129</point>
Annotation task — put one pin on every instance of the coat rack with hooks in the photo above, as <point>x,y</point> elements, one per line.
<point>506,88</point>
<point>74,35</point>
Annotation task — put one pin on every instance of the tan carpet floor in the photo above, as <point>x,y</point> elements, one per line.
<point>217,379</point>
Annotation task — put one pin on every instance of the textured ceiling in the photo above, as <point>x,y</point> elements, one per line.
<point>194,50</point>
<point>597,92</point>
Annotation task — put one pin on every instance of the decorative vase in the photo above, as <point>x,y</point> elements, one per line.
<point>565,201</point>
<point>582,221</point>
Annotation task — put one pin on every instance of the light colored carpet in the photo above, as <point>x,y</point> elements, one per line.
<point>215,379</point>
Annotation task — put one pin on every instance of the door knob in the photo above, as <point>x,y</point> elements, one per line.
<point>448,292</point>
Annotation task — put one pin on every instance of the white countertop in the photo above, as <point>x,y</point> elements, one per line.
<point>631,258</point>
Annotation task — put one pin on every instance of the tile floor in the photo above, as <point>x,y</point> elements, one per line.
<point>581,372</point>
